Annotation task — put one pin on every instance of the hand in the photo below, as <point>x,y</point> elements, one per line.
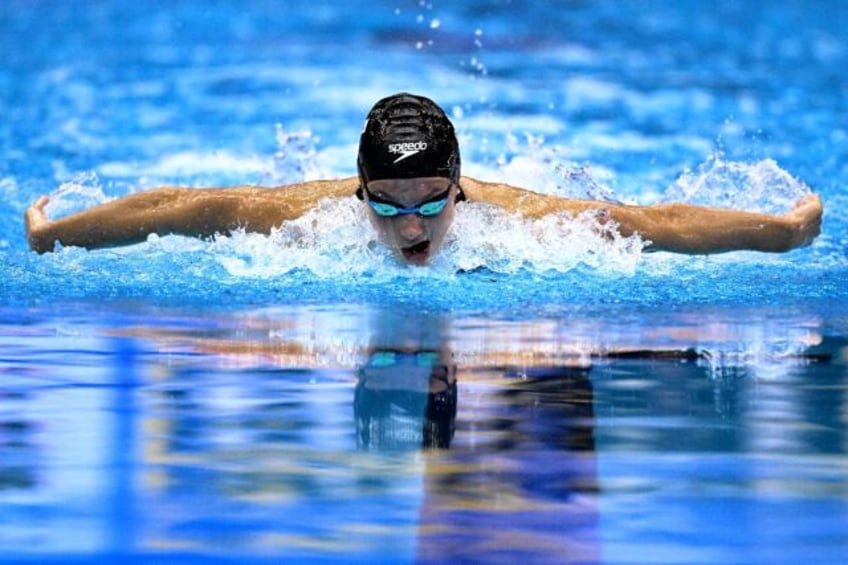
<point>36,226</point>
<point>805,220</point>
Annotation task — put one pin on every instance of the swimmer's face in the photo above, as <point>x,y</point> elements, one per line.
<point>417,236</point>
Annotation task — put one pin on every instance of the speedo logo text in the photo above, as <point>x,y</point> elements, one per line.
<point>407,149</point>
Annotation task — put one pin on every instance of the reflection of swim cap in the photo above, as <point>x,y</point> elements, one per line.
<point>407,136</point>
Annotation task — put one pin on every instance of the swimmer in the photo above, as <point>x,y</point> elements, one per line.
<point>410,184</point>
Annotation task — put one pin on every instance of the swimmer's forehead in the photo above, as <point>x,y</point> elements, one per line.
<point>418,187</point>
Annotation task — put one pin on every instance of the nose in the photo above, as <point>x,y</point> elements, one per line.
<point>411,227</point>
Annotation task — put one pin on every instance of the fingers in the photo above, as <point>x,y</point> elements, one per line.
<point>36,221</point>
<point>38,206</point>
<point>807,216</point>
<point>807,208</point>
<point>35,214</point>
<point>812,201</point>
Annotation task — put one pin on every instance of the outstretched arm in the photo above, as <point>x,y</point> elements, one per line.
<point>174,210</point>
<point>680,228</point>
<point>683,228</point>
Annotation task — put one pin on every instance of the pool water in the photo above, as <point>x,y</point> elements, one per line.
<point>536,393</point>
<point>274,433</point>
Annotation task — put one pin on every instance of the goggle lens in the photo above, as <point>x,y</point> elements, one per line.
<point>427,209</point>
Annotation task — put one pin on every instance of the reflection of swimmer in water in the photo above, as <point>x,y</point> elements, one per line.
<point>406,387</point>
<point>409,179</point>
<point>405,398</point>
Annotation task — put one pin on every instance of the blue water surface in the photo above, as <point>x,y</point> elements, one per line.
<point>147,374</point>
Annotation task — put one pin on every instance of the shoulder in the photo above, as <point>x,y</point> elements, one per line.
<point>504,196</point>
<point>302,195</point>
<point>489,192</point>
<point>269,206</point>
<point>318,189</point>
<point>525,202</point>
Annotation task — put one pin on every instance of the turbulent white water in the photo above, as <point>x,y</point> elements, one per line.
<point>762,186</point>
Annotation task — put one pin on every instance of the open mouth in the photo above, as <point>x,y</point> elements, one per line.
<point>418,253</point>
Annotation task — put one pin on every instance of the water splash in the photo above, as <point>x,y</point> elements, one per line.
<point>83,191</point>
<point>761,187</point>
<point>580,181</point>
<point>336,241</point>
<point>296,157</point>
<point>488,237</point>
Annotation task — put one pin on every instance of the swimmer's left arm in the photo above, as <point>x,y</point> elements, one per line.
<point>684,228</point>
<point>679,228</point>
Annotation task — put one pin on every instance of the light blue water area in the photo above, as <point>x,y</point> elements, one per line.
<point>183,399</point>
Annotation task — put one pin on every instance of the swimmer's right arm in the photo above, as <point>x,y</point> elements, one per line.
<point>175,210</point>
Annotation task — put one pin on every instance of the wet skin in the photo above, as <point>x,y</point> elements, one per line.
<point>415,238</point>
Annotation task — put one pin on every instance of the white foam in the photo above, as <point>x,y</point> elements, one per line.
<point>336,241</point>
<point>333,240</point>
<point>762,186</point>
<point>82,191</point>
<point>484,236</point>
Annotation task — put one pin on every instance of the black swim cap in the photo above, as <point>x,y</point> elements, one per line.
<point>407,136</point>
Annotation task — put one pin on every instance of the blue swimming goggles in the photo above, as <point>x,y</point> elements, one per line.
<point>384,358</point>
<point>432,207</point>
